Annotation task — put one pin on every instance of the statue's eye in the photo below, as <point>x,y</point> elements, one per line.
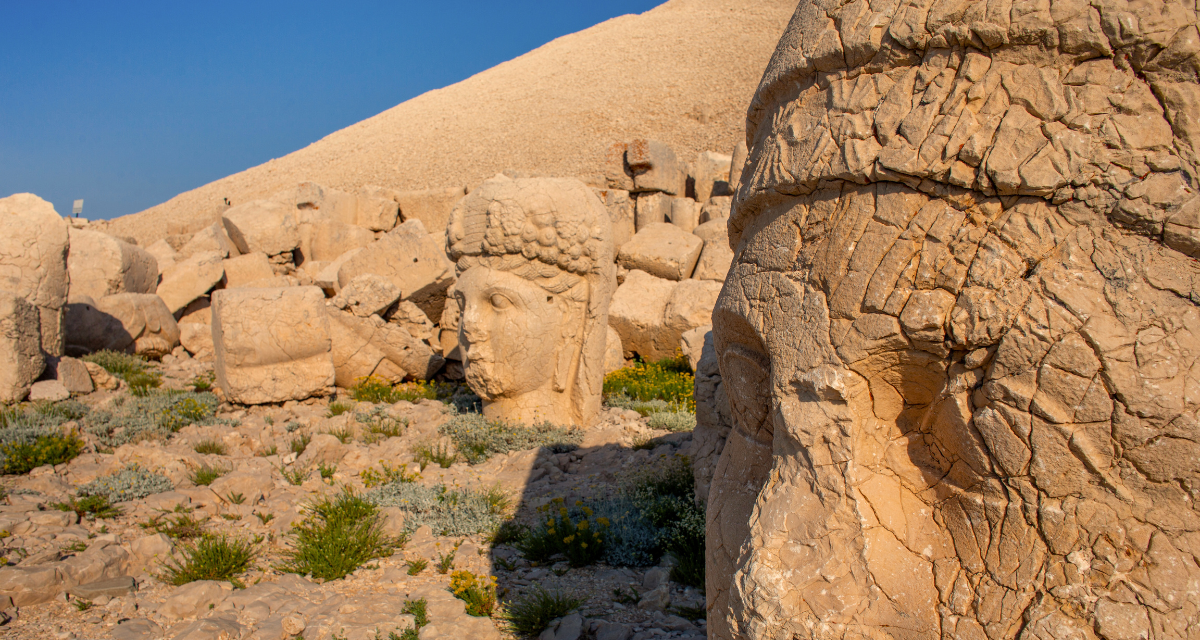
<point>500,302</point>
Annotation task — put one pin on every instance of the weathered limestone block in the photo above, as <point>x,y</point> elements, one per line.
<point>48,391</point>
<point>245,270</point>
<point>710,175</point>
<point>210,238</point>
<point>74,375</point>
<point>621,213</point>
<point>614,354</point>
<point>137,323</point>
<point>653,207</point>
<point>685,213</point>
<point>262,225</point>
<point>189,280</point>
<point>366,346</point>
<point>536,273</point>
<point>326,240</point>
<point>271,345</point>
<point>716,208</point>
<point>313,202</point>
<point>415,322</point>
<point>367,295</point>
<point>21,360</point>
<point>655,167</point>
<point>377,208</point>
<point>716,257</point>
<point>663,250</point>
<point>412,259</point>
<point>165,256</point>
<point>431,206</point>
<point>638,314</point>
<point>959,339</point>
<point>33,261</point>
<point>99,265</point>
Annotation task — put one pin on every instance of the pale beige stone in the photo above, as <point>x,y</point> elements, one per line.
<point>210,238</point>
<point>137,323</point>
<point>327,240</point>
<point>187,281</point>
<point>716,208</point>
<point>102,379</point>
<point>369,346</point>
<point>536,273</point>
<point>378,209</point>
<point>165,256</point>
<point>21,360</point>
<point>652,208</point>
<point>327,275</point>
<point>74,376</point>
<point>614,354</point>
<point>415,261</point>
<point>367,295</point>
<point>710,175</point>
<point>638,314</point>
<point>33,261</point>
<point>621,213</point>
<point>313,202</point>
<point>196,338</point>
<point>431,206</point>
<point>655,167</point>
<point>959,350</point>
<point>271,345</point>
<point>99,265</point>
<point>245,270</point>
<point>685,213</point>
<point>262,226</point>
<point>716,256</point>
<point>663,250</point>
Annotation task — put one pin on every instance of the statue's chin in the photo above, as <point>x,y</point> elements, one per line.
<point>483,382</point>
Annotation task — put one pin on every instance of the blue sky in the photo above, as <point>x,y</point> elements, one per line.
<point>127,103</point>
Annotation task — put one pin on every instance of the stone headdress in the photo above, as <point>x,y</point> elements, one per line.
<point>556,233</point>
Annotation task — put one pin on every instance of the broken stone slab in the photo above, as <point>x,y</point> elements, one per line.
<point>196,338</point>
<point>210,238</point>
<point>652,208</point>
<point>431,206</point>
<point>378,209</point>
<point>193,598</point>
<point>621,212</point>
<point>48,391</point>
<point>614,355</point>
<point>637,314</point>
<point>191,279</point>
<point>139,323</point>
<point>313,202</point>
<point>327,275</point>
<point>716,208</point>
<point>264,226</point>
<point>710,175</point>
<point>164,254</point>
<point>685,213</point>
<point>21,359</point>
<point>367,295</point>
<point>327,240</point>
<point>99,265</point>
<point>74,375</point>
<point>271,345</point>
<point>136,629</point>
<point>246,269</point>
<point>414,260</point>
<point>370,346</point>
<point>691,344</point>
<point>33,261</point>
<point>655,167</point>
<point>112,587</point>
<point>663,250</point>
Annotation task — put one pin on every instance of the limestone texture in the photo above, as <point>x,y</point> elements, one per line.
<point>99,265</point>
<point>368,346</point>
<point>271,345</point>
<point>262,225</point>
<point>535,268</point>
<point>959,336</point>
<point>137,323</point>
<point>33,261</point>
<point>191,279</point>
<point>21,360</point>
<point>414,260</point>
<point>663,250</point>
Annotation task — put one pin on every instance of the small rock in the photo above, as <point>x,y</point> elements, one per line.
<point>613,631</point>
<point>570,628</point>
<point>49,390</point>
<point>114,588</point>
<point>656,600</point>
<point>655,578</point>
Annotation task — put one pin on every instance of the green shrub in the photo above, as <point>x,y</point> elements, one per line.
<point>338,536</point>
<point>181,526</point>
<point>345,435</point>
<point>337,408</point>
<point>23,455</point>
<point>529,616</point>
<point>295,476</point>
<point>373,389</point>
<point>478,439</point>
<point>673,421</point>
<point>415,567</point>
<point>299,443</point>
<point>118,364</point>
<point>143,382</point>
<point>130,483</point>
<point>419,610</point>
<point>94,506</point>
<point>204,475</point>
<point>449,513</point>
<point>446,561</point>
<point>439,452</point>
<point>210,446</point>
<point>669,380</point>
<point>386,475</point>
<point>477,591</point>
<point>326,470</point>
<point>380,426</point>
<point>214,557</point>
<point>156,415</point>
<point>204,381</point>
<point>580,536</point>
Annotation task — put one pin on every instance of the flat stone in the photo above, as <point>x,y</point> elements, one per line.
<point>113,588</point>
<point>50,390</point>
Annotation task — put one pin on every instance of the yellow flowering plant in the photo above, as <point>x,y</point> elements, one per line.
<point>479,592</point>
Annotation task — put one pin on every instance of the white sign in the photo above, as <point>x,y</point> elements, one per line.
<point>78,208</point>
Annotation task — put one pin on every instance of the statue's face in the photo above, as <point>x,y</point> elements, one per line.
<point>960,336</point>
<point>510,328</point>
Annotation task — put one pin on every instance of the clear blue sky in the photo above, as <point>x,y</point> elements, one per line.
<point>127,103</point>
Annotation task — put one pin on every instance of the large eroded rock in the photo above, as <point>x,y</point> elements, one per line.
<point>271,345</point>
<point>21,359</point>
<point>99,265</point>
<point>137,323</point>
<point>960,338</point>
<point>33,261</point>
<point>412,259</point>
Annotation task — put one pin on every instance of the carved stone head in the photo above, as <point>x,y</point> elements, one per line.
<point>960,336</point>
<point>535,276</point>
